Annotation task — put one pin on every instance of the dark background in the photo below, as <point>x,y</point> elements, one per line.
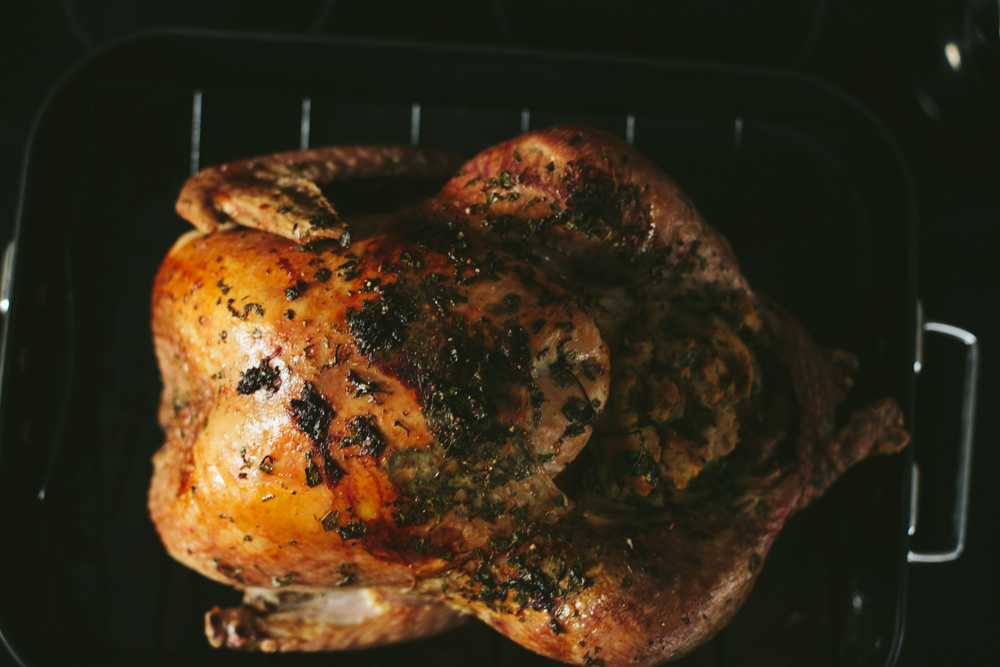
<point>890,54</point>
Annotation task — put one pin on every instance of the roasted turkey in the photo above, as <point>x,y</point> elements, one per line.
<point>545,397</point>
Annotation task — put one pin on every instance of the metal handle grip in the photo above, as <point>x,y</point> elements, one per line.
<point>7,278</point>
<point>964,451</point>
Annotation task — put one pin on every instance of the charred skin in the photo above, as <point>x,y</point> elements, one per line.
<point>392,413</point>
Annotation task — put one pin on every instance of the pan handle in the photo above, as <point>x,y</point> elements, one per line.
<point>7,278</point>
<point>960,517</point>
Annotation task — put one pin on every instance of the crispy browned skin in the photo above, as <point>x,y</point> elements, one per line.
<point>392,415</point>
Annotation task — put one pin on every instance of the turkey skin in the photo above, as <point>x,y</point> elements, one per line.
<point>544,397</point>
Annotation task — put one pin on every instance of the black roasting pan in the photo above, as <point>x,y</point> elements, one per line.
<point>806,184</point>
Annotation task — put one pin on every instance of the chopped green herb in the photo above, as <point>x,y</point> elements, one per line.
<point>295,291</point>
<point>284,580</point>
<point>229,571</point>
<point>353,530</point>
<point>329,521</point>
<point>364,388</point>
<point>313,477</point>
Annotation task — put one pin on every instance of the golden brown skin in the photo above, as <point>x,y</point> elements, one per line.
<point>391,413</point>
<point>240,458</point>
